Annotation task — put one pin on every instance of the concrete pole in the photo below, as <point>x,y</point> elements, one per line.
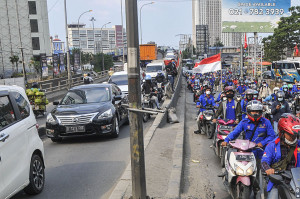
<point>123,45</point>
<point>67,47</point>
<point>241,56</point>
<point>255,60</point>
<point>135,118</point>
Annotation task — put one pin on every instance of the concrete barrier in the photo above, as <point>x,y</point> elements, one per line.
<point>19,81</point>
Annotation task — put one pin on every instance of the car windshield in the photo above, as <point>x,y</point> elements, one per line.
<point>153,68</point>
<point>170,56</point>
<point>119,79</point>
<point>86,96</point>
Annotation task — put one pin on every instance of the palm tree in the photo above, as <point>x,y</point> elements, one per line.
<point>14,59</point>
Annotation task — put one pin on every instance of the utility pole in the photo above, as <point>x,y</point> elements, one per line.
<point>135,118</point>
<point>123,45</point>
<point>255,58</point>
<point>67,47</point>
<point>23,64</point>
<point>93,20</point>
<point>241,56</point>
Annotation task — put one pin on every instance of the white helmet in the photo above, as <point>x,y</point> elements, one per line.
<point>276,89</point>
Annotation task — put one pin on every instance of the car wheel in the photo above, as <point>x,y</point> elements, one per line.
<point>116,130</point>
<point>56,139</point>
<point>36,176</point>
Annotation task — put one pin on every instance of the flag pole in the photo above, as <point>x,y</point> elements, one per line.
<point>221,69</point>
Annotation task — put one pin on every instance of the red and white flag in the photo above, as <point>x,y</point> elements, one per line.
<point>210,64</point>
<point>245,42</point>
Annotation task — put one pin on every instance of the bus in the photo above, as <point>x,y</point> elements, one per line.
<point>286,70</point>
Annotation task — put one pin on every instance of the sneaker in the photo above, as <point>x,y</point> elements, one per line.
<point>197,132</point>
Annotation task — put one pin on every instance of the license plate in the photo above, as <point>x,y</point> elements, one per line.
<point>297,192</point>
<point>226,128</point>
<point>245,158</point>
<point>73,129</point>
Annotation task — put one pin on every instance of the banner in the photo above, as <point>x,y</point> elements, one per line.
<point>62,62</point>
<point>55,64</point>
<point>44,65</point>
<point>253,15</point>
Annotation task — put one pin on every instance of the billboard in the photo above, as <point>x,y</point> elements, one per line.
<point>253,15</point>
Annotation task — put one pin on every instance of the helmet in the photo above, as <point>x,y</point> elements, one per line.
<point>290,86</point>
<point>280,95</point>
<point>35,85</point>
<point>249,94</point>
<point>276,89</point>
<point>285,88</point>
<point>159,72</point>
<point>255,94</point>
<point>298,85</point>
<point>229,88</point>
<point>254,105</point>
<point>284,83</point>
<point>193,77</point>
<point>289,124</point>
<point>148,77</point>
<point>84,75</point>
<point>208,87</point>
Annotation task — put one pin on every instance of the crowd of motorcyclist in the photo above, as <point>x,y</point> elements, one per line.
<point>269,119</point>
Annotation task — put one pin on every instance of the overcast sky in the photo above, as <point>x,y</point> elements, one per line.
<point>161,21</point>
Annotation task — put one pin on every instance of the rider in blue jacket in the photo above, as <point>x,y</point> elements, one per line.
<point>241,89</point>
<point>255,122</point>
<point>244,102</point>
<point>272,97</point>
<point>283,153</point>
<point>206,99</point>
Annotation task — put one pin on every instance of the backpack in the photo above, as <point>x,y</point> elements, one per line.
<point>86,80</point>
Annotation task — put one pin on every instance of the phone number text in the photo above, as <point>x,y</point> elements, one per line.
<point>255,11</point>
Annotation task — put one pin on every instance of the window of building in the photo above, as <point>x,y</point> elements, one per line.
<point>32,7</point>
<point>23,105</point>
<point>34,25</point>
<point>7,115</point>
<point>36,43</point>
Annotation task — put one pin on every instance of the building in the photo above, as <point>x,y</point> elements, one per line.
<point>95,40</point>
<point>23,25</point>
<point>207,13</point>
<point>232,38</point>
<point>57,46</point>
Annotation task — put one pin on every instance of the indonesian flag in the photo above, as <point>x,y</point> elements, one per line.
<point>210,64</point>
<point>245,43</point>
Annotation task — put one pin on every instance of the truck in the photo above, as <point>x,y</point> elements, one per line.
<point>148,52</point>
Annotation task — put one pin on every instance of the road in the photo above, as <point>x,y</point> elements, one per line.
<point>83,167</point>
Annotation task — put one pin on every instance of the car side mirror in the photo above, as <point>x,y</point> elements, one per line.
<point>117,97</point>
<point>276,179</point>
<point>55,102</point>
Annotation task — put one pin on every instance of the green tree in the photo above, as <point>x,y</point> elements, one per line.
<point>14,59</point>
<point>97,62</point>
<point>285,36</point>
<point>35,63</point>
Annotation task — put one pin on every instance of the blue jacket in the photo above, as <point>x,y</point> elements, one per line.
<point>295,89</point>
<point>271,97</point>
<point>204,101</point>
<point>272,155</point>
<point>219,97</point>
<point>246,125</point>
<point>244,104</point>
<point>241,89</point>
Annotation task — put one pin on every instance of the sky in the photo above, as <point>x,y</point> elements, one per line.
<point>161,21</point>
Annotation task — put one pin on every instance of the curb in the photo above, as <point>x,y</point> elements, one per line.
<point>174,185</point>
<point>161,119</point>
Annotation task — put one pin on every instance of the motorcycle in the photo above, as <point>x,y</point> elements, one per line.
<point>204,121</point>
<point>160,90</point>
<point>240,169</point>
<point>268,111</point>
<point>224,127</point>
<point>197,92</point>
<point>146,103</point>
<point>287,190</point>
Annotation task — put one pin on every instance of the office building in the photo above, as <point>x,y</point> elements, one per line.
<point>23,25</point>
<point>95,40</point>
<point>232,38</point>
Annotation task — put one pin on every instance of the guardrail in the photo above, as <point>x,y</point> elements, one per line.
<point>59,84</point>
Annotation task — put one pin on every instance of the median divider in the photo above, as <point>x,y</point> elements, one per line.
<point>124,182</point>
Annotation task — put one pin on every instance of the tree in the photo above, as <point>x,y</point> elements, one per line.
<point>218,43</point>
<point>36,65</point>
<point>14,59</point>
<point>97,62</point>
<point>285,36</point>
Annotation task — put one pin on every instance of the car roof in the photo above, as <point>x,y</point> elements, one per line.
<point>10,88</point>
<point>120,73</point>
<point>103,85</point>
<point>156,64</point>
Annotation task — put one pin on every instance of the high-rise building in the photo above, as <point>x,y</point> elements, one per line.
<point>93,40</point>
<point>232,38</point>
<point>207,12</point>
<point>23,25</point>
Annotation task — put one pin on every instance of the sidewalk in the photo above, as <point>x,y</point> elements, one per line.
<point>163,158</point>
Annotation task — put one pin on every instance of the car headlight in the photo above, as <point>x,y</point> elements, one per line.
<point>50,119</point>
<point>105,114</point>
<point>239,171</point>
<point>249,171</point>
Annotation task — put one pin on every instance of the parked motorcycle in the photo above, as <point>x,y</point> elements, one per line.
<point>286,190</point>
<point>240,168</point>
<point>204,121</point>
<point>224,127</point>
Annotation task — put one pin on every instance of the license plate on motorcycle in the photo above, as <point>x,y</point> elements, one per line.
<point>247,158</point>
<point>297,192</point>
<point>73,129</point>
<point>226,128</point>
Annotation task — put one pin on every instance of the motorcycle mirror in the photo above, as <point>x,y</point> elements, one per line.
<point>276,179</point>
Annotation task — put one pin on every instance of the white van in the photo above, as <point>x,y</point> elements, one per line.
<point>21,149</point>
<point>153,68</point>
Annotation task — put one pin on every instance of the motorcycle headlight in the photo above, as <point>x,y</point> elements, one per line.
<point>239,171</point>
<point>249,171</point>
<point>50,119</point>
<point>208,117</point>
<point>105,114</point>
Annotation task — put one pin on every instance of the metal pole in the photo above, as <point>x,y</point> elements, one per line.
<point>136,124</point>
<point>241,57</point>
<point>255,42</point>
<point>261,60</point>
<point>93,20</point>
<point>23,64</point>
<point>67,46</point>
<point>123,45</point>
<point>102,45</point>
<point>141,20</point>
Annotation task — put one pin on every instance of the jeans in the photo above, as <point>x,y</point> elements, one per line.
<point>273,194</point>
<point>155,99</point>
<point>275,124</point>
<point>171,79</point>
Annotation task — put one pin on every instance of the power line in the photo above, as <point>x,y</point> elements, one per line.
<point>53,6</point>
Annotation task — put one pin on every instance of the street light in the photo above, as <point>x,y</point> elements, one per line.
<point>102,45</point>
<point>67,46</point>
<point>79,35</point>
<point>93,20</point>
<point>141,19</point>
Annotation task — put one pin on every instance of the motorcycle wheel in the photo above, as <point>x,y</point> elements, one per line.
<point>209,131</point>
<point>245,191</point>
<point>222,154</point>
<point>145,117</point>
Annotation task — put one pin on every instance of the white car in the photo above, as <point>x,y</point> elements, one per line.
<point>121,80</point>
<point>21,149</point>
<point>153,68</point>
